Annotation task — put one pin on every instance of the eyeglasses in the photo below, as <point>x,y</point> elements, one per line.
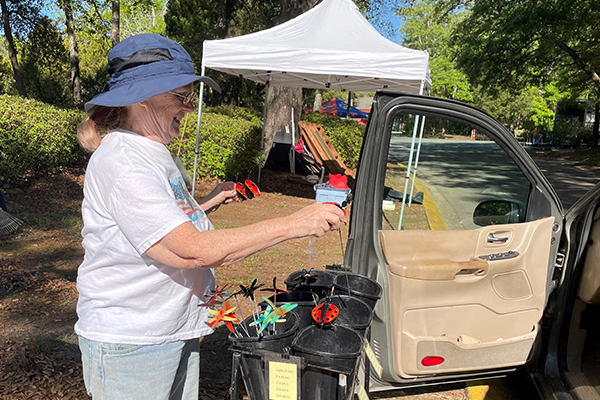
<point>187,98</point>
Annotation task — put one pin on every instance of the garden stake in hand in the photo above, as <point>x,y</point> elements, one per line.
<point>247,190</point>
<point>241,191</point>
<point>252,187</point>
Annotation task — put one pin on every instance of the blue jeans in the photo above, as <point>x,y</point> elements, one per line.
<point>168,371</point>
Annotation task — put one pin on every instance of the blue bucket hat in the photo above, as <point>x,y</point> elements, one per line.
<point>143,66</point>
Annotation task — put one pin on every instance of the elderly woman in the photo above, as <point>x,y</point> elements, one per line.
<point>149,247</point>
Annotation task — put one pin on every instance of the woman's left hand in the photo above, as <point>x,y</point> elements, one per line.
<point>223,193</point>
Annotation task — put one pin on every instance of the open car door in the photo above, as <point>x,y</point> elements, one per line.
<point>456,222</point>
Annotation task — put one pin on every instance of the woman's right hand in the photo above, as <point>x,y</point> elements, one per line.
<point>316,220</point>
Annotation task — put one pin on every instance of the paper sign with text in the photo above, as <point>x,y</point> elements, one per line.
<point>283,381</point>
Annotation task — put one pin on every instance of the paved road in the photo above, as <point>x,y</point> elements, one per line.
<point>462,173</point>
<point>570,181</point>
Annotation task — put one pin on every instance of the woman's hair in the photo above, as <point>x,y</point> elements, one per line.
<point>102,120</point>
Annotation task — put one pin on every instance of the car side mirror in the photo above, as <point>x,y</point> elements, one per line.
<point>496,212</point>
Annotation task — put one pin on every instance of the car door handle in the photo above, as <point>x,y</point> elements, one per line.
<point>492,239</point>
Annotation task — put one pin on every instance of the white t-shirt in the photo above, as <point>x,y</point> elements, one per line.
<point>133,196</point>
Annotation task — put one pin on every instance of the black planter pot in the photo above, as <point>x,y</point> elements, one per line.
<point>252,348</point>
<point>359,286</point>
<point>328,352</point>
<point>318,282</point>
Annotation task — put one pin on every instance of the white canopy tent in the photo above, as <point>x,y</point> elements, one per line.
<point>331,46</point>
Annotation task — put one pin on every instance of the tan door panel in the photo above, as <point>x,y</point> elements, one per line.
<point>446,301</point>
<point>589,288</point>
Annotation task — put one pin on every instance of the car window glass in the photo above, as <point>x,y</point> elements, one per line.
<point>460,179</point>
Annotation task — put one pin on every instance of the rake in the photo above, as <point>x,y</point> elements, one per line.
<point>8,223</point>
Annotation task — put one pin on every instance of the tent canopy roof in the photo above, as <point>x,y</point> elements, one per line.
<point>331,46</point>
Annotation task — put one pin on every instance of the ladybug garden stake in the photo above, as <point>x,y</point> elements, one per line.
<point>325,313</point>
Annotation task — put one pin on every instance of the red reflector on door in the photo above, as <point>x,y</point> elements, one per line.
<point>432,360</point>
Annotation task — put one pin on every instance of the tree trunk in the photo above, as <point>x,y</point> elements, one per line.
<point>595,135</point>
<point>116,22</point>
<point>318,101</point>
<point>280,102</point>
<point>280,99</point>
<point>12,52</point>
<point>73,52</point>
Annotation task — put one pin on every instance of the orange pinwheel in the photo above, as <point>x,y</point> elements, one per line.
<point>226,315</point>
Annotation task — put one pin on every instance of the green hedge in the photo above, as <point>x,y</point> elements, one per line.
<point>229,142</point>
<point>346,135</point>
<point>36,138</point>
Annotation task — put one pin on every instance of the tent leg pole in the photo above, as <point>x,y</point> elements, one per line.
<point>349,101</point>
<point>293,161</point>
<point>407,177</point>
<point>200,97</point>
<point>412,148</point>
<point>262,139</point>
<point>412,188</point>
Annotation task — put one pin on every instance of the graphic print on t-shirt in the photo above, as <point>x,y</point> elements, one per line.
<point>185,201</point>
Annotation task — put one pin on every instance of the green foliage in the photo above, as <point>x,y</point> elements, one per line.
<point>36,138</point>
<point>543,107</point>
<point>518,43</point>
<point>216,19</point>
<point>346,135</point>
<point>6,72</point>
<point>426,29</point>
<point>23,15</point>
<point>191,22</point>
<point>377,12</point>
<point>512,109</point>
<point>92,28</point>
<point>235,91</point>
<point>142,16</point>
<point>229,142</point>
<point>236,112</point>
<point>45,64</point>
<point>572,133</point>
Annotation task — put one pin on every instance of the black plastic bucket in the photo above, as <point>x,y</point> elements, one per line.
<point>316,281</point>
<point>304,299</point>
<point>328,353</point>
<point>354,312</point>
<point>252,348</point>
<point>359,286</point>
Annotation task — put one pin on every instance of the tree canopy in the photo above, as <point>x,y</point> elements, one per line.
<point>515,59</point>
<point>515,43</point>
<point>426,29</point>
